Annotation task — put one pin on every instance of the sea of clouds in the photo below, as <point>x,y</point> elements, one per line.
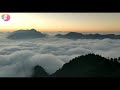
<point>18,57</point>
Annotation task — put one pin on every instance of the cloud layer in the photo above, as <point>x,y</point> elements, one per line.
<point>18,57</point>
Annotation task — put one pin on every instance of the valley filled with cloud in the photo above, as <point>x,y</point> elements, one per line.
<point>18,57</point>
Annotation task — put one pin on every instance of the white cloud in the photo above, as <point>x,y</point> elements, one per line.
<point>50,62</point>
<point>18,57</point>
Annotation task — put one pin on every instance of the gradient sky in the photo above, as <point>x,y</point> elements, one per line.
<point>80,22</point>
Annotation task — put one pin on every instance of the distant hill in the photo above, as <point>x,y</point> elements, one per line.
<point>89,65</point>
<point>75,35</point>
<point>26,34</point>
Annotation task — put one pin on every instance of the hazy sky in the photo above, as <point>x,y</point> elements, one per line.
<point>82,22</point>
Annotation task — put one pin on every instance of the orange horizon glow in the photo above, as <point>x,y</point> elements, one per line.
<point>63,22</point>
<point>64,30</point>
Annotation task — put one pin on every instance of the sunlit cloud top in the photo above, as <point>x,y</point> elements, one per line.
<point>81,22</point>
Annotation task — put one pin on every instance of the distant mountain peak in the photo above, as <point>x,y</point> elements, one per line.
<point>26,34</point>
<point>33,29</point>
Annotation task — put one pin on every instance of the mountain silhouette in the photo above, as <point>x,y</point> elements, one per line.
<point>89,65</point>
<point>26,34</point>
<point>39,72</point>
<point>75,35</point>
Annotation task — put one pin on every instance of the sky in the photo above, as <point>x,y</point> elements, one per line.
<point>54,22</point>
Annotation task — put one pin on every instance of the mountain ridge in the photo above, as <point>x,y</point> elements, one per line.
<point>89,65</point>
<point>75,35</point>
